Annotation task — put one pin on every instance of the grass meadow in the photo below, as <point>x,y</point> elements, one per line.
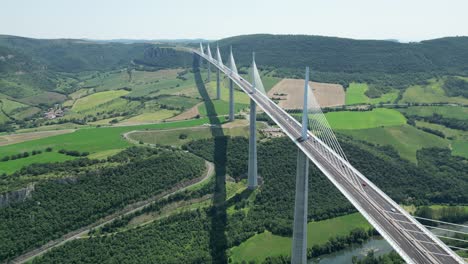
<point>260,246</point>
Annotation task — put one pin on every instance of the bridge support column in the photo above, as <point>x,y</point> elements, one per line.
<point>252,173</point>
<point>231,100</point>
<point>208,78</point>
<point>218,86</point>
<point>299,246</point>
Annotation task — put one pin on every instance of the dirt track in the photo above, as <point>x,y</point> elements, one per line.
<point>290,91</point>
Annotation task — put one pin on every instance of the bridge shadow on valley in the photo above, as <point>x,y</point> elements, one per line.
<point>218,240</point>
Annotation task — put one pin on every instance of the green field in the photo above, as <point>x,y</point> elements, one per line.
<point>89,139</point>
<point>175,101</point>
<point>171,137</point>
<point>430,93</point>
<point>456,112</point>
<point>379,117</point>
<point>448,132</point>
<point>221,107</point>
<point>44,97</point>
<point>3,118</point>
<point>14,165</point>
<point>8,105</point>
<point>460,148</point>
<point>355,94</point>
<point>239,96</point>
<point>405,139</point>
<point>51,127</point>
<point>92,101</point>
<point>260,246</point>
<point>152,117</point>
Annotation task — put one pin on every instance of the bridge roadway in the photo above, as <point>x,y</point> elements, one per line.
<point>407,236</point>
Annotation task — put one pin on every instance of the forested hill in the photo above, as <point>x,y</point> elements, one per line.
<point>73,55</point>
<point>331,54</point>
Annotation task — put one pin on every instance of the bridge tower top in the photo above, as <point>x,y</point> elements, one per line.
<point>201,49</point>
<point>208,51</point>
<point>218,55</point>
<point>232,63</point>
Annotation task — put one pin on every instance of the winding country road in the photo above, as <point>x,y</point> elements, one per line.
<point>127,210</point>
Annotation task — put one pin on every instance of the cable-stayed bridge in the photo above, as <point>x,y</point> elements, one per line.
<point>316,142</point>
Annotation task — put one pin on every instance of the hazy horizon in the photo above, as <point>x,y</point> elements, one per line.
<point>182,19</point>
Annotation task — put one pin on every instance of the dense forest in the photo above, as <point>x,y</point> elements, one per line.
<point>74,55</point>
<point>340,60</point>
<point>59,206</point>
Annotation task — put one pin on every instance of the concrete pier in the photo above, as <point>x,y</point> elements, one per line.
<point>252,173</point>
<point>231,100</point>
<point>218,85</point>
<point>299,246</point>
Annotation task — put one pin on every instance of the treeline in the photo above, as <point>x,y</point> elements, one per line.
<point>57,207</point>
<point>441,120</point>
<point>454,86</point>
<point>412,122</point>
<point>371,258</point>
<point>73,153</point>
<point>24,154</point>
<point>451,214</point>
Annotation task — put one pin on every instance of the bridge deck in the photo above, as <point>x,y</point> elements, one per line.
<point>407,236</point>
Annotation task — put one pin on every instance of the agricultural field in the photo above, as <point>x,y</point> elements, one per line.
<point>177,102</point>
<point>460,148</point>
<point>355,94</point>
<point>291,92</point>
<point>26,113</point>
<point>180,136</point>
<point>151,117</point>
<point>22,137</point>
<point>260,246</point>
<point>3,118</point>
<point>45,97</point>
<point>51,127</point>
<point>90,140</point>
<point>448,132</point>
<point>8,106</point>
<point>405,139</point>
<point>15,110</point>
<point>239,96</point>
<point>45,157</point>
<point>221,107</point>
<point>430,93</point>
<point>94,100</point>
<point>456,112</point>
<point>379,117</point>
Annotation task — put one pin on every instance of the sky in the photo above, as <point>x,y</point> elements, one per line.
<point>405,20</point>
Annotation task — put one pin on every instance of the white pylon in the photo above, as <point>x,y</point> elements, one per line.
<point>232,63</point>
<point>201,49</point>
<point>218,55</point>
